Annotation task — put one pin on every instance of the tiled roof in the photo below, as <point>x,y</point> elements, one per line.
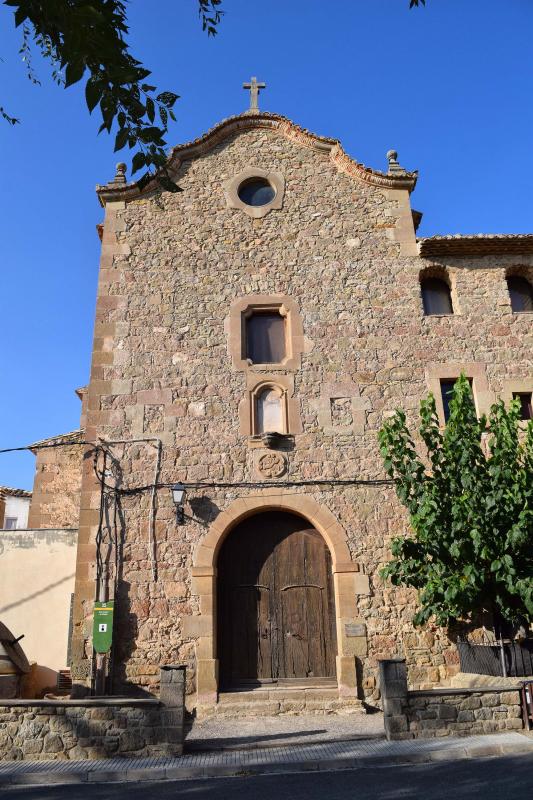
<point>476,244</point>
<point>74,435</point>
<point>8,491</point>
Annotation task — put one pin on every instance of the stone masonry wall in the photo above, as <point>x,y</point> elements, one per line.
<point>55,499</point>
<point>171,266</point>
<point>45,733</point>
<point>463,713</point>
<point>444,712</point>
<point>97,728</point>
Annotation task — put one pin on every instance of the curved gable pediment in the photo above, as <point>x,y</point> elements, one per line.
<point>241,123</point>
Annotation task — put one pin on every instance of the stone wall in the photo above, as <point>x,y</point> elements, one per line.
<point>455,713</point>
<point>444,712</point>
<point>55,499</point>
<point>95,728</point>
<point>343,249</point>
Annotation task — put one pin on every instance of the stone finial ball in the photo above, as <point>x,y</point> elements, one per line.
<point>121,166</point>
<point>392,155</point>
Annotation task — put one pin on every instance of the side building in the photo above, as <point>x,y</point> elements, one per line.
<point>38,563</point>
<point>14,508</point>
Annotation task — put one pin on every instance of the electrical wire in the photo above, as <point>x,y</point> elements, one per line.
<point>152,487</point>
<point>323,482</point>
<point>32,447</point>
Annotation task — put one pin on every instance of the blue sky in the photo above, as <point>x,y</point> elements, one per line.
<point>448,86</point>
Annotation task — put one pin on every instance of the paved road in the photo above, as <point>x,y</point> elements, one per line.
<point>505,778</point>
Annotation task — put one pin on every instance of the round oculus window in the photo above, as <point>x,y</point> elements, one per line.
<point>256,192</point>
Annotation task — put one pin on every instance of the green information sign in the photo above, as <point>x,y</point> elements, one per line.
<point>103,626</point>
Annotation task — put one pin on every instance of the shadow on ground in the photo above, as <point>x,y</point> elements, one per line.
<point>272,740</point>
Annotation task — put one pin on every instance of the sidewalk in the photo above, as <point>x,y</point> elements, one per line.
<point>299,758</point>
<point>246,733</point>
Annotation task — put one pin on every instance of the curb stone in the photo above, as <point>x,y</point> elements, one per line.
<point>423,752</point>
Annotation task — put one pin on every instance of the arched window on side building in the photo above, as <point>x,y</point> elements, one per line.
<point>436,296</point>
<point>520,292</point>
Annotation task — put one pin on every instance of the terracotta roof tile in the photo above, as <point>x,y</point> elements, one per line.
<point>8,491</point>
<point>476,244</point>
<point>74,435</point>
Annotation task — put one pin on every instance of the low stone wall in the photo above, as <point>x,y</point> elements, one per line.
<point>40,730</point>
<point>444,712</point>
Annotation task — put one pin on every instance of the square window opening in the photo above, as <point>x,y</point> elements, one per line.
<point>446,392</point>
<point>266,337</point>
<point>526,404</point>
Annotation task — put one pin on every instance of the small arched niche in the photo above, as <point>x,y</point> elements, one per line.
<point>269,410</point>
<point>436,293</point>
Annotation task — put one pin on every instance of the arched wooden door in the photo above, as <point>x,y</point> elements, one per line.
<point>276,615</point>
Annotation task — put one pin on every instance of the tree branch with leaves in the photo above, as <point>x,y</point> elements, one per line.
<point>86,39</point>
<point>470,510</point>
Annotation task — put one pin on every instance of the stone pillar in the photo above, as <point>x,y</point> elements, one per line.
<point>393,685</point>
<point>172,697</point>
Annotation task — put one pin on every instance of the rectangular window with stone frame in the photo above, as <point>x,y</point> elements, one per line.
<point>526,405</point>
<point>266,337</point>
<point>446,391</point>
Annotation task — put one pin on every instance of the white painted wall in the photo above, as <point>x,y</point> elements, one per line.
<point>36,582</point>
<point>18,507</point>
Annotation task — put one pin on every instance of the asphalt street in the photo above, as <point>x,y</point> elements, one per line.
<point>498,778</point>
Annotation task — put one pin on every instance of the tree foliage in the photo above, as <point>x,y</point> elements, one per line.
<point>471,511</point>
<point>86,40</point>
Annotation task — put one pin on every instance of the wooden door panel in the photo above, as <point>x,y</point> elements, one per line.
<point>250,643</point>
<point>303,632</point>
<point>276,617</point>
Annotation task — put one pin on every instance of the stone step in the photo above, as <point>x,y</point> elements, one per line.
<point>277,695</point>
<point>234,704</point>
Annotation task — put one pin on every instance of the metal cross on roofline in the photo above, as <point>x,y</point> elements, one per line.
<point>254,88</point>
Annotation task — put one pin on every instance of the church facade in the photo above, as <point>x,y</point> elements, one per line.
<point>252,333</point>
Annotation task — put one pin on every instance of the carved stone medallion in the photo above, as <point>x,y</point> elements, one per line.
<point>272,465</point>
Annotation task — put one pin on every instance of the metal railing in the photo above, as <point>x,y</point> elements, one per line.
<point>486,659</point>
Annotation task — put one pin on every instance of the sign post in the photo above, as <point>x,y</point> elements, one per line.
<point>103,626</point>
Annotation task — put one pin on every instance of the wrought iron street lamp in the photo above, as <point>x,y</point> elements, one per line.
<point>178,495</point>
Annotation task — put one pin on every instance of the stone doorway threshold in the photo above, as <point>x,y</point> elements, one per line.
<point>269,700</point>
<point>281,730</point>
<point>284,685</point>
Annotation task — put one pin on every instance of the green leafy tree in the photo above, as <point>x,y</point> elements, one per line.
<point>86,40</point>
<point>470,510</point>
